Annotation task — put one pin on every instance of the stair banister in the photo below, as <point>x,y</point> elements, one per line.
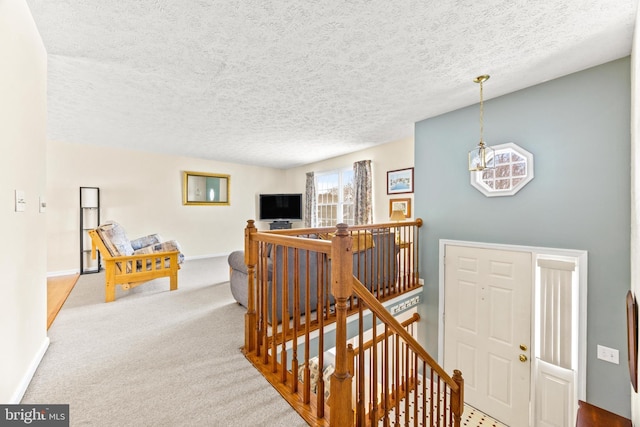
<point>265,341</point>
<point>455,382</point>
<point>250,259</point>
<point>341,283</point>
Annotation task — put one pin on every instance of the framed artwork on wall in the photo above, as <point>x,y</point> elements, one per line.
<point>199,188</point>
<point>403,205</point>
<point>632,339</point>
<point>400,181</point>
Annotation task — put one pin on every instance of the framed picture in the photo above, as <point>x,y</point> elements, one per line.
<point>400,181</point>
<point>632,339</point>
<point>400,204</point>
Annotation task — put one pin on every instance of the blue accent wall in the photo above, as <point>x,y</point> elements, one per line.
<point>578,129</point>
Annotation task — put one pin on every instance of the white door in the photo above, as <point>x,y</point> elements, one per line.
<point>487,328</point>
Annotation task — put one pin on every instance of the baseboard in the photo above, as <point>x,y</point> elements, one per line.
<point>186,258</point>
<point>62,273</point>
<point>28,376</point>
<point>191,258</point>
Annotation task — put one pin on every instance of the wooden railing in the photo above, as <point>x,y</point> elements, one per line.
<point>397,381</point>
<point>305,286</point>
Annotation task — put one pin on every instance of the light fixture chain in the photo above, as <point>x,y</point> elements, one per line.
<point>478,156</point>
<point>481,115</point>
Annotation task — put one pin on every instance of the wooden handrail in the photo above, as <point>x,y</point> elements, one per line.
<point>301,231</point>
<point>367,345</point>
<point>316,245</point>
<point>279,323</point>
<point>387,318</point>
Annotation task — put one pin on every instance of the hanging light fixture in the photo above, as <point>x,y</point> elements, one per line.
<point>481,157</point>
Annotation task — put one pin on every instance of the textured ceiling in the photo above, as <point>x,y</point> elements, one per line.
<point>287,83</point>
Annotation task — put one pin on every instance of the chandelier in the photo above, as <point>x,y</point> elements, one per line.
<point>482,156</point>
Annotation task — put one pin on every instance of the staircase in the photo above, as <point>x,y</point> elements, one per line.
<point>319,327</point>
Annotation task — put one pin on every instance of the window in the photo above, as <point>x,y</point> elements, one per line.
<point>335,194</point>
<point>513,170</point>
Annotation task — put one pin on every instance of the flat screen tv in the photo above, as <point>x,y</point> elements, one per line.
<point>280,207</point>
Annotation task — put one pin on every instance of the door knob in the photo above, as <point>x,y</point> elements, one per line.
<point>523,347</point>
<point>523,358</point>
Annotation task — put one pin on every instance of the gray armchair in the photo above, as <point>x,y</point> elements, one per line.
<point>238,277</point>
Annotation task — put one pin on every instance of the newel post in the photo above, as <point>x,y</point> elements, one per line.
<point>341,288</point>
<point>250,259</point>
<point>457,399</point>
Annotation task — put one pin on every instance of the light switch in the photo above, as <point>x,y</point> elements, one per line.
<point>21,202</point>
<point>607,354</point>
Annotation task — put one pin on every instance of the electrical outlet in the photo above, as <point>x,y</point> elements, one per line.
<point>607,354</point>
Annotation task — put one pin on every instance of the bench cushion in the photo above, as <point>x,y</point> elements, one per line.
<point>115,239</point>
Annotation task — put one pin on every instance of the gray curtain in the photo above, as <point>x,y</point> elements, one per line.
<point>363,188</point>
<point>310,201</point>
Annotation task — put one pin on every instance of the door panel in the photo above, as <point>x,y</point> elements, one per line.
<point>487,318</point>
<point>554,395</point>
<point>499,386</point>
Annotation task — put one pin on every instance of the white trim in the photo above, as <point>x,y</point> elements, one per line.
<point>18,394</point>
<point>339,172</point>
<point>186,258</point>
<point>62,273</point>
<point>191,258</point>
<point>582,257</point>
<point>476,181</point>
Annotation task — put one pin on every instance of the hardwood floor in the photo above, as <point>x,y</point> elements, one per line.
<point>58,289</point>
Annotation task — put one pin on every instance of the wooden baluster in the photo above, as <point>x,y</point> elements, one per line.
<point>407,378</point>
<point>457,398</point>
<point>414,256</point>
<point>398,384</point>
<point>341,280</point>
<point>424,393</point>
<point>406,258</point>
<point>374,369</point>
<point>296,323</point>
<point>414,375</point>
<point>385,376</point>
<point>438,394</point>
<point>432,392</point>
<point>372,402</point>
<point>264,312</point>
<point>260,271</point>
<point>250,257</point>
<point>351,353</point>
<point>284,321</point>
<point>360,402</point>
<point>274,307</point>
<point>416,253</point>
<point>322,310</point>
<point>306,395</point>
<point>321,384</point>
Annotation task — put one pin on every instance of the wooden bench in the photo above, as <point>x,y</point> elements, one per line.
<point>134,270</point>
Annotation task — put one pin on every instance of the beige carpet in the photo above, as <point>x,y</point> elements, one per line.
<point>156,358</point>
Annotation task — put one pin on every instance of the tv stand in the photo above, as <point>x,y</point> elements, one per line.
<point>280,225</point>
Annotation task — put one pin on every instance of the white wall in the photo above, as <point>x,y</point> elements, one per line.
<point>386,157</point>
<point>635,192</point>
<point>143,192</point>
<point>23,288</point>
